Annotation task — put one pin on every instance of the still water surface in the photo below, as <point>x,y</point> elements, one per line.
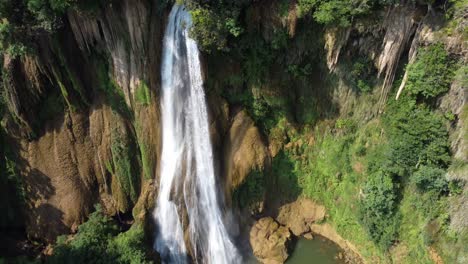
<point>318,250</point>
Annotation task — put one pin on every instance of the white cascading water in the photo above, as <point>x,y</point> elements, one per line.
<point>187,157</point>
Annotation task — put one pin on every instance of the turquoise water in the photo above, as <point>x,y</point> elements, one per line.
<point>318,250</point>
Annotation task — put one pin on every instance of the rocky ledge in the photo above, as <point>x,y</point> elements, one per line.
<point>271,239</point>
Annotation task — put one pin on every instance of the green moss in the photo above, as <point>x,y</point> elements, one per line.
<point>113,94</point>
<point>63,90</point>
<point>142,94</point>
<point>109,166</point>
<point>68,73</point>
<point>123,158</point>
<point>146,161</point>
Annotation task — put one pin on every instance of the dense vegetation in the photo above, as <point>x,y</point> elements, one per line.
<point>11,189</point>
<point>380,167</point>
<point>98,241</point>
<point>23,20</point>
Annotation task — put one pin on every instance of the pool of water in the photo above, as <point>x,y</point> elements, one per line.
<point>318,250</point>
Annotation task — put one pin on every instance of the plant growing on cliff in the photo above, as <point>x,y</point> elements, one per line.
<point>428,178</point>
<point>47,13</point>
<point>417,136</point>
<point>23,20</point>
<point>123,157</point>
<point>336,12</point>
<point>12,192</point>
<point>111,90</point>
<point>378,209</point>
<point>432,72</point>
<point>214,23</point>
<point>142,94</point>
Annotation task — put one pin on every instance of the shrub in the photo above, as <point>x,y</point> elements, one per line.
<point>214,24</point>
<point>129,247</point>
<point>98,241</point>
<point>432,72</point>
<point>416,136</point>
<point>456,187</point>
<point>378,209</point>
<point>48,13</point>
<point>362,74</point>
<point>429,178</point>
<point>90,243</point>
<point>23,20</point>
<point>345,124</point>
<point>337,12</point>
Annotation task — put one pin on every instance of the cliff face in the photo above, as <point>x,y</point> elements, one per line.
<point>84,111</point>
<point>101,143</point>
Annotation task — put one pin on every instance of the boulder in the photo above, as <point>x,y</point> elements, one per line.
<point>270,241</point>
<point>299,215</point>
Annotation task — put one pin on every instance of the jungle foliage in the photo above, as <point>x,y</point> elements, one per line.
<point>99,241</point>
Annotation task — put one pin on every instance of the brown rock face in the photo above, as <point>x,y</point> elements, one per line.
<point>59,178</point>
<point>143,208</point>
<point>102,145</point>
<point>270,241</point>
<point>299,215</point>
<point>244,150</point>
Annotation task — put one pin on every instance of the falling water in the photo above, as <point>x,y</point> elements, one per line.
<point>187,157</point>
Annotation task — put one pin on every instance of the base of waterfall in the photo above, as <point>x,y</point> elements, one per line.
<point>273,239</point>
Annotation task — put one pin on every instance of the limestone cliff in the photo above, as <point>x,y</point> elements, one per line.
<point>84,117</point>
<point>102,146</point>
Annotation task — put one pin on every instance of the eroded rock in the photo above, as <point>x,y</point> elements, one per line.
<point>270,241</point>
<point>244,150</point>
<point>299,215</point>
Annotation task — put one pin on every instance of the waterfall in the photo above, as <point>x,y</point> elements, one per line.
<point>187,179</point>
